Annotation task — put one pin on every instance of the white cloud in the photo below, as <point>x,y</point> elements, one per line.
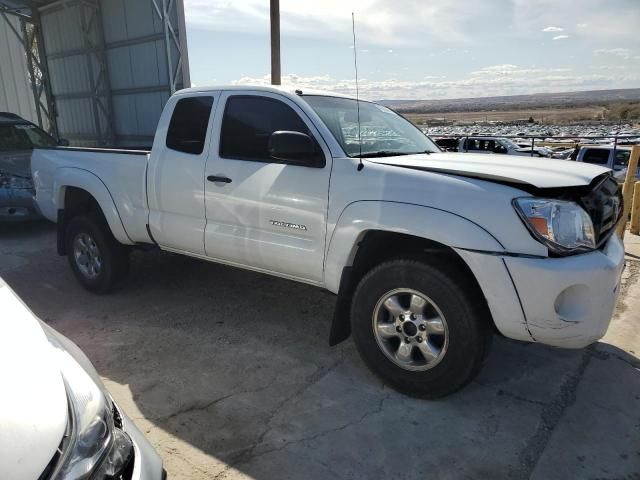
<point>560,37</point>
<point>608,19</point>
<point>618,52</point>
<point>553,29</point>
<point>492,80</point>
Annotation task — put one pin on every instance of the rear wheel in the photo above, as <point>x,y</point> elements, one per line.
<point>97,259</point>
<point>423,328</point>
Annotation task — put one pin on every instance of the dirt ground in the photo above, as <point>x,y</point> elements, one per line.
<point>230,375</point>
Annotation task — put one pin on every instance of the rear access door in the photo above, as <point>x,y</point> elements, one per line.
<point>175,180</point>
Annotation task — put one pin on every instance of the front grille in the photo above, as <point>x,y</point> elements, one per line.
<point>603,203</point>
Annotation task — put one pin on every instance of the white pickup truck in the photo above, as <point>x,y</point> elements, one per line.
<point>613,158</point>
<point>428,252</point>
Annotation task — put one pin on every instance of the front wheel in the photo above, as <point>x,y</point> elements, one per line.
<point>422,328</point>
<point>96,258</point>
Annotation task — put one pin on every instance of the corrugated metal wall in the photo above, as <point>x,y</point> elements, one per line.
<point>16,95</point>
<point>125,40</point>
<point>68,63</point>
<point>138,71</point>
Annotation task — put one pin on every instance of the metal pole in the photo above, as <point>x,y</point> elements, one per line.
<point>44,68</point>
<point>167,44</point>
<point>28,47</point>
<point>275,42</point>
<point>533,142</point>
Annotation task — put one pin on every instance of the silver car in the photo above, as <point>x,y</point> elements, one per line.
<point>57,420</point>
<point>18,138</point>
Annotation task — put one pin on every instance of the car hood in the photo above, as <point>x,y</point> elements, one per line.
<point>536,172</point>
<point>33,404</point>
<point>16,163</point>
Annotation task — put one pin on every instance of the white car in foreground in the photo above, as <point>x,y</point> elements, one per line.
<point>57,421</point>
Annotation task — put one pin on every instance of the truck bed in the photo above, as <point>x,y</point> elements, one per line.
<point>122,172</point>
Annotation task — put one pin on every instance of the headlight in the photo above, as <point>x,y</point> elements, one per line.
<point>14,181</point>
<point>564,227</point>
<point>94,447</point>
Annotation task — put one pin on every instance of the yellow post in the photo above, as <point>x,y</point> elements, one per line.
<point>635,211</point>
<point>627,188</point>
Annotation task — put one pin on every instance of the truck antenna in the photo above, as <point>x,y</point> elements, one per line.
<point>355,66</point>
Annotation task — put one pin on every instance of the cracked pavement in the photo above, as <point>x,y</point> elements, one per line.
<point>230,375</point>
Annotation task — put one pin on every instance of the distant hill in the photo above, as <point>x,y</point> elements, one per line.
<point>516,102</point>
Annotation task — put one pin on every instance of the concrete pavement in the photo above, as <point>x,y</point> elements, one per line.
<point>229,374</point>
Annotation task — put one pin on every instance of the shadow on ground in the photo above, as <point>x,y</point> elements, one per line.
<point>229,373</point>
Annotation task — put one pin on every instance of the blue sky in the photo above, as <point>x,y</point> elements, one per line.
<point>421,49</point>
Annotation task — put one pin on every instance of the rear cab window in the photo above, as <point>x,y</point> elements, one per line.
<point>188,126</point>
<point>596,156</point>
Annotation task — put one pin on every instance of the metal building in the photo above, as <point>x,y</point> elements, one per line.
<point>99,71</point>
<point>15,87</point>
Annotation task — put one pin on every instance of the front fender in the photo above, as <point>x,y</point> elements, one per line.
<point>85,180</point>
<point>430,223</point>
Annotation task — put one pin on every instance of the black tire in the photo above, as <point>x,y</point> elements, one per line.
<point>114,258</point>
<point>467,321</point>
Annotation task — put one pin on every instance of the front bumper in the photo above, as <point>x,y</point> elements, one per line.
<point>568,302</point>
<point>18,204</point>
<point>565,302</point>
<point>147,465</point>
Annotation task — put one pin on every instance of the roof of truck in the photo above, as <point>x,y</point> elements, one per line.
<point>605,147</point>
<point>266,88</point>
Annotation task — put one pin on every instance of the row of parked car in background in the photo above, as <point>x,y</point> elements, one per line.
<point>612,156</point>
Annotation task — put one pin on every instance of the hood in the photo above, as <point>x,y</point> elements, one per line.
<point>16,163</point>
<point>33,404</point>
<point>536,172</point>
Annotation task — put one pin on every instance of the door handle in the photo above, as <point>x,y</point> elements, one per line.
<point>215,178</point>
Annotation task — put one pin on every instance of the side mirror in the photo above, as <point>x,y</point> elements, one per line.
<point>63,142</point>
<point>294,147</point>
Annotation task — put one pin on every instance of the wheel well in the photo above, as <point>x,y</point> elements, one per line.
<point>376,247</point>
<point>380,246</point>
<point>76,202</point>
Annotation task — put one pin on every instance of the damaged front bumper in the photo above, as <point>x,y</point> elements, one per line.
<point>568,302</point>
<point>565,302</point>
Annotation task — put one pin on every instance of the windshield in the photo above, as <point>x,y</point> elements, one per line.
<point>23,136</point>
<point>509,144</point>
<point>382,131</point>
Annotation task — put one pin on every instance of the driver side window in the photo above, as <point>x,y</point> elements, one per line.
<point>248,123</point>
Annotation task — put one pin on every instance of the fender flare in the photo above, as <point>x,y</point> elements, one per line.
<point>91,183</point>
<point>430,223</point>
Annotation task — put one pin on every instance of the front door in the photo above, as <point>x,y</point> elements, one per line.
<point>261,212</point>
